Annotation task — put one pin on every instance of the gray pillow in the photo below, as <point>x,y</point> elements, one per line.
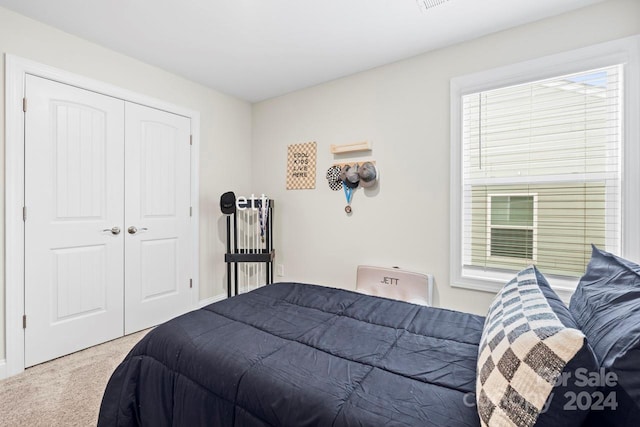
<point>606,307</point>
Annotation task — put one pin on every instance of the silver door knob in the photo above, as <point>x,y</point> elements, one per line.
<point>133,229</point>
<point>113,230</point>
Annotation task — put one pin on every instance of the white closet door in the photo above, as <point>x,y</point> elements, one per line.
<point>157,216</point>
<point>74,151</point>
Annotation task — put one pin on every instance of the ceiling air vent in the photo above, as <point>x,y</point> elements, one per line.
<point>425,5</point>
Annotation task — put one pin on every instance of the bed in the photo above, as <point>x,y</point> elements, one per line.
<point>291,354</point>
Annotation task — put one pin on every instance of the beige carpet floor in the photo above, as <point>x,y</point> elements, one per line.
<point>65,391</point>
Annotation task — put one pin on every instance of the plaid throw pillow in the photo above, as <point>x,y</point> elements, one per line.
<point>523,349</point>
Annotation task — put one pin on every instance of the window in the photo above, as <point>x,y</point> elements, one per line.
<point>557,139</point>
<point>537,167</point>
<point>511,227</point>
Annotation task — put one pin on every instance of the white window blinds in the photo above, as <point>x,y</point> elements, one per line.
<point>541,172</point>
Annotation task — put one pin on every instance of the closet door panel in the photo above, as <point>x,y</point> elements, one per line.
<point>74,182</point>
<point>157,216</point>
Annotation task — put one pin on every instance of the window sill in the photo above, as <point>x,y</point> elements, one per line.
<point>562,286</point>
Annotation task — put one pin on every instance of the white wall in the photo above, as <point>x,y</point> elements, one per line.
<point>403,109</point>
<point>225,134</point>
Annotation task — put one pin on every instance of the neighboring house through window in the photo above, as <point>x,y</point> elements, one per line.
<point>537,166</point>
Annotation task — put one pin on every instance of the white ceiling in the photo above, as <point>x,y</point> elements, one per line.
<point>258,49</point>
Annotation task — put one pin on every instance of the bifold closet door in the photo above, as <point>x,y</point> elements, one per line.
<point>157,216</point>
<point>74,249</point>
<point>108,224</point>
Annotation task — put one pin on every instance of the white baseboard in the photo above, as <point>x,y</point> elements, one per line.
<point>211,300</point>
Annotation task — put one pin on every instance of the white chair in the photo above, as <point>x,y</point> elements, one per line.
<point>396,284</point>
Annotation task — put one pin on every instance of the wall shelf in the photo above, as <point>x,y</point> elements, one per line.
<point>351,148</point>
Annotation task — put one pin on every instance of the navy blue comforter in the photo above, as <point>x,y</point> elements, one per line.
<point>291,354</point>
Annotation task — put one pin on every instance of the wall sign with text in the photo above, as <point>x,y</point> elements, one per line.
<point>301,166</point>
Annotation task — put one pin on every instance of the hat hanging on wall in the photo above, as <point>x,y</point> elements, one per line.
<point>228,203</point>
<point>349,176</point>
<point>333,178</point>
<point>368,175</point>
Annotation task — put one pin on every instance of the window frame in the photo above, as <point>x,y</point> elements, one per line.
<point>623,51</point>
